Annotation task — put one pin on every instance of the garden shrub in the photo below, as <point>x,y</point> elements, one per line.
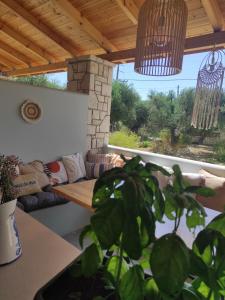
<point>219,149</point>
<point>124,138</point>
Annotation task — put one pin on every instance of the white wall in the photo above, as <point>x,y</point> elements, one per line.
<point>62,129</point>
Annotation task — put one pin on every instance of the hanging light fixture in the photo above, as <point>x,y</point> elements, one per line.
<point>160,37</point>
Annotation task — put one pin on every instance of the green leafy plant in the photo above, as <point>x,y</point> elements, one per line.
<point>7,174</point>
<point>132,263</point>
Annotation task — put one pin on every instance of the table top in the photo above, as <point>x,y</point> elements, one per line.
<point>80,192</point>
<point>44,255</point>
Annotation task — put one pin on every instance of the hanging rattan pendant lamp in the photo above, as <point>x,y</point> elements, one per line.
<point>160,37</point>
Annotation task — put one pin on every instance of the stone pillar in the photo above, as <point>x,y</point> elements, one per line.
<point>93,76</point>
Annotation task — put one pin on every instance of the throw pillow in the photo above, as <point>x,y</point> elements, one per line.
<point>26,185</point>
<point>212,181</point>
<point>94,170</point>
<point>35,167</point>
<point>57,172</point>
<point>94,157</point>
<point>75,168</point>
<point>217,202</point>
<point>194,179</point>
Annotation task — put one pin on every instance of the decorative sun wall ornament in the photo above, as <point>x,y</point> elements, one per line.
<point>208,91</point>
<point>161,36</point>
<point>31,111</point>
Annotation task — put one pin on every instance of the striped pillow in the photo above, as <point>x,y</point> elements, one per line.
<point>94,170</point>
<point>94,157</point>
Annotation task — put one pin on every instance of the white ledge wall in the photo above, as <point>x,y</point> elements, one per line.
<point>187,165</point>
<point>62,129</point>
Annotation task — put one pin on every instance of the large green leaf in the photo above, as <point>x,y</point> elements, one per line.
<point>154,168</point>
<point>90,260</point>
<point>178,183</point>
<point>147,227</point>
<point>159,205</point>
<point>132,164</point>
<point>107,222</point>
<point>151,290</point>
<point>132,284</point>
<point>170,263</point>
<point>131,238</point>
<point>131,198</point>
<point>218,224</point>
<point>113,266</point>
<point>202,191</point>
<point>194,218</point>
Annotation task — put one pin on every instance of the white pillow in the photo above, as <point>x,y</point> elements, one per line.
<point>74,165</point>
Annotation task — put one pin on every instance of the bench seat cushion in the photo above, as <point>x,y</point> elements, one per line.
<point>41,200</point>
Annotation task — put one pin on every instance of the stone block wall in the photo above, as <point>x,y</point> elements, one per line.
<point>93,76</point>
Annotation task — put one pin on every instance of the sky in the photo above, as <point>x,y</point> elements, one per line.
<point>143,84</point>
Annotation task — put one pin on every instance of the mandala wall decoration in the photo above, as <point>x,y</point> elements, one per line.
<point>31,112</point>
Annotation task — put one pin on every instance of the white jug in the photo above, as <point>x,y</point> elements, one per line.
<point>10,247</point>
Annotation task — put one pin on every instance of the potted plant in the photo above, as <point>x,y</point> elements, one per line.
<point>10,248</point>
<point>126,261</point>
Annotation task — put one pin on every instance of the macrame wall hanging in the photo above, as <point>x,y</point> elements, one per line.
<point>209,91</point>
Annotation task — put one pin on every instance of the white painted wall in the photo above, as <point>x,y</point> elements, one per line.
<point>61,131</point>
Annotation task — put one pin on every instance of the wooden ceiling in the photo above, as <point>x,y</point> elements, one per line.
<point>38,36</point>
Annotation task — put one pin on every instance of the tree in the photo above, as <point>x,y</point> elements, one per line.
<point>124,102</point>
<point>40,80</point>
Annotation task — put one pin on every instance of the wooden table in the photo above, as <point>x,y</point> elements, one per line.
<point>44,255</point>
<point>80,192</point>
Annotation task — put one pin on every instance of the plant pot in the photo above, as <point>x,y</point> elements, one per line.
<point>10,248</point>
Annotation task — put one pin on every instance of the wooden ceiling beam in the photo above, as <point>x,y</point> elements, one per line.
<point>191,44</point>
<point>15,54</point>
<point>6,62</point>
<point>214,14</point>
<point>30,45</point>
<point>42,27</point>
<point>61,66</point>
<point>130,9</point>
<point>80,21</point>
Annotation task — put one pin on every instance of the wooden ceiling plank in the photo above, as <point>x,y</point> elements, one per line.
<point>42,27</point>
<point>30,45</point>
<point>61,66</point>
<point>214,14</point>
<point>78,20</point>
<point>130,9</point>
<point>15,54</point>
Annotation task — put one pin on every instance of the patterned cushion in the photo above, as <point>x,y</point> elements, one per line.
<point>94,170</point>
<point>35,167</point>
<point>57,171</point>
<point>74,165</point>
<point>94,157</point>
<point>26,185</point>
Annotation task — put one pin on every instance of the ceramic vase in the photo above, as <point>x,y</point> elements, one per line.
<point>10,247</point>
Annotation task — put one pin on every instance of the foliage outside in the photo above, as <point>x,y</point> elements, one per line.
<point>168,114</point>
<point>128,206</point>
<point>125,138</point>
<point>40,80</point>
<point>7,174</point>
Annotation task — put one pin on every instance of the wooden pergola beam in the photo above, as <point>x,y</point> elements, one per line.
<point>192,45</point>
<point>61,66</point>
<point>130,9</point>
<point>30,45</point>
<point>81,22</point>
<point>214,14</point>
<point>15,54</point>
<point>42,27</point>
